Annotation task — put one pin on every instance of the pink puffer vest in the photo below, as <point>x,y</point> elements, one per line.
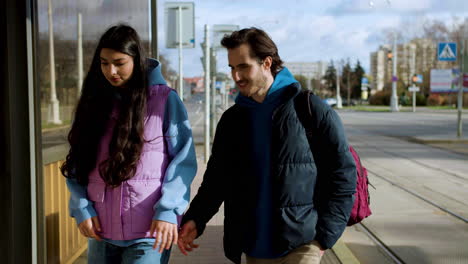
<point>126,212</point>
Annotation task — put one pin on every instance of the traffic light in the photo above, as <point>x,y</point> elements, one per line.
<point>390,56</point>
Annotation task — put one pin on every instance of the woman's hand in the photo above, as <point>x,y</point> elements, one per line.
<point>89,227</point>
<point>166,234</point>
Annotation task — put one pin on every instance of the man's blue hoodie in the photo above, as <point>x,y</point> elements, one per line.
<point>258,242</point>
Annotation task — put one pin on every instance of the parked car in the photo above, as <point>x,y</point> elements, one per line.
<point>330,101</point>
<point>352,102</point>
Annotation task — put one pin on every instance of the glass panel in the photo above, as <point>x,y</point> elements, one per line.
<point>97,16</point>
<point>58,99</point>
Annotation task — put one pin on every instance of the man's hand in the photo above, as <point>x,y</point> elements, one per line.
<point>89,227</point>
<point>322,251</point>
<point>187,235</point>
<point>166,234</point>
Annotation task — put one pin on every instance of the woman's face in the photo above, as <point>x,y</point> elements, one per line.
<point>117,67</point>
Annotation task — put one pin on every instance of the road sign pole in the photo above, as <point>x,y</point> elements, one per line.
<point>207,94</point>
<point>394,99</point>
<point>181,82</point>
<point>213,100</point>
<point>460,90</point>
<point>80,55</point>
<point>414,89</point>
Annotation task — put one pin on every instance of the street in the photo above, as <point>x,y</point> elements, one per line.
<point>404,173</point>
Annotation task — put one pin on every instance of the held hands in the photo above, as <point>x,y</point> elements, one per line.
<point>166,234</point>
<point>187,234</point>
<point>89,227</point>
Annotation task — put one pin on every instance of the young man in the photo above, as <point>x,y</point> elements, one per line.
<point>282,204</point>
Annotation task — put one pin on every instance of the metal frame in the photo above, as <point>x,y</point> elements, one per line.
<point>20,134</point>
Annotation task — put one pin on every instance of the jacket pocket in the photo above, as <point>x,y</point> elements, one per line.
<point>143,197</point>
<point>97,194</point>
<point>296,225</point>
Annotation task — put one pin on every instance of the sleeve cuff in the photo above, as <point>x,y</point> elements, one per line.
<point>325,243</point>
<point>82,214</point>
<point>166,216</point>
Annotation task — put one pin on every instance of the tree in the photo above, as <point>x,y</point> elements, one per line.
<point>330,77</point>
<point>302,80</point>
<point>166,70</point>
<point>346,80</point>
<point>358,74</point>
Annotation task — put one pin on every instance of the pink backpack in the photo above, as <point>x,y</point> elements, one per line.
<point>361,207</point>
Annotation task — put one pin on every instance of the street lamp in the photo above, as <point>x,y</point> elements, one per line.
<point>339,103</point>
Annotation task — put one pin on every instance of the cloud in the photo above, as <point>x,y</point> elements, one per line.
<point>308,31</point>
<point>388,7</point>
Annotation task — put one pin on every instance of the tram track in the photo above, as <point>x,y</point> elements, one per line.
<point>381,245</point>
<point>374,237</point>
<point>414,219</point>
<point>427,200</point>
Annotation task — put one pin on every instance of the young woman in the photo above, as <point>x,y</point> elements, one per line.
<point>131,159</point>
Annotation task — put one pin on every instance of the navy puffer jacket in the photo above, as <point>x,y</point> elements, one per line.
<point>310,202</point>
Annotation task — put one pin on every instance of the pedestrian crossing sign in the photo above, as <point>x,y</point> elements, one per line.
<point>447,51</point>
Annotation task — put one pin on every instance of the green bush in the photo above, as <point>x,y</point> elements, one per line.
<point>420,99</point>
<point>405,100</point>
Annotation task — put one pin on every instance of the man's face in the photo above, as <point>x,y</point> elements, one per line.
<point>249,74</point>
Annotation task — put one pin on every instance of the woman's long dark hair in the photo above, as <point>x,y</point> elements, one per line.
<point>94,110</point>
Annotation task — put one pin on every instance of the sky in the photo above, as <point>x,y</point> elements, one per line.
<point>304,30</point>
<point>311,30</point>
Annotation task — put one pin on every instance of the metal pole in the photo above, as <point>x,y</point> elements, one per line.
<point>54,103</point>
<point>38,234</point>
<point>460,91</point>
<point>181,85</point>
<point>213,101</point>
<point>226,98</point>
<point>394,99</point>
<point>207,94</point>
<point>154,29</point>
<point>348,85</point>
<point>338,96</point>
<point>414,101</point>
<point>80,55</point>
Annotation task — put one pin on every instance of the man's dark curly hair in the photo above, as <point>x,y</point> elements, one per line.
<point>260,43</point>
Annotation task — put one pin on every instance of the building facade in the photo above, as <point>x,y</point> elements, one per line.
<point>418,56</point>
<point>311,70</point>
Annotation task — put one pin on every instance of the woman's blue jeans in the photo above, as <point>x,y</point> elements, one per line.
<point>101,252</point>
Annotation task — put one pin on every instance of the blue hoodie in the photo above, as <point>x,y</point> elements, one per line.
<point>183,164</point>
<point>258,243</point>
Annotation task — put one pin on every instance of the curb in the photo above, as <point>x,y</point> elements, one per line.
<point>344,254</point>
<point>52,129</point>
<point>435,140</point>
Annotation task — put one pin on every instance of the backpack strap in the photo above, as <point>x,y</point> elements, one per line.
<point>305,113</point>
<point>308,121</point>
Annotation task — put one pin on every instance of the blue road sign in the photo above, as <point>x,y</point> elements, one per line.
<point>418,78</point>
<point>447,51</point>
<point>218,85</point>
